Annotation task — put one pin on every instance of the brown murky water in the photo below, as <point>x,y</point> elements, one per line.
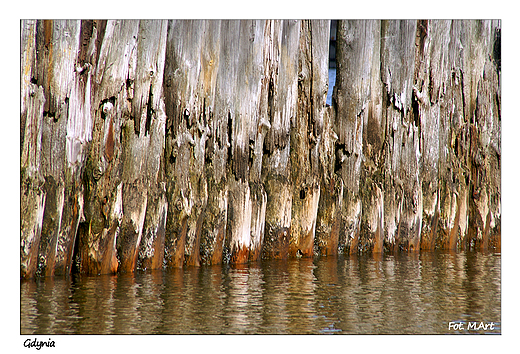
<point>394,294</point>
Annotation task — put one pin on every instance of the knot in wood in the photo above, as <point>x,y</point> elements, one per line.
<point>97,173</point>
<point>178,204</point>
<point>107,107</point>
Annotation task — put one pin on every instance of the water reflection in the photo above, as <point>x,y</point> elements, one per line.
<point>397,294</point>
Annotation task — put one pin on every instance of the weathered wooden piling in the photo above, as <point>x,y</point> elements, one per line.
<point>152,143</point>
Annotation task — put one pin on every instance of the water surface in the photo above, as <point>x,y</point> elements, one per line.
<point>387,294</point>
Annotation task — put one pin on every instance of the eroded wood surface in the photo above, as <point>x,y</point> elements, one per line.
<point>152,143</point>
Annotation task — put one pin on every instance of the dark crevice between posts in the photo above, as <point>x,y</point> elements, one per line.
<point>149,112</point>
<point>100,26</point>
<point>464,105</point>
<point>229,139</point>
<point>251,149</point>
<point>186,116</point>
<point>498,105</point>
<point>416,117</point>
<point>269,143</point>
<point>310,114</point>
<point>86,31</point>
<point>76,254</point>
<point>422,33</point>
<point>497,52</point>
<point>331,62</point>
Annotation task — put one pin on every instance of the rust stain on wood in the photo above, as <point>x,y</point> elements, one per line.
<point>240,255</point>
<point>378,239</point>
<point>178,255</point>
<point>216,257</point>
<point>110,143</point>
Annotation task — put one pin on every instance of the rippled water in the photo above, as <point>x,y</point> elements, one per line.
<point>397,294</point>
